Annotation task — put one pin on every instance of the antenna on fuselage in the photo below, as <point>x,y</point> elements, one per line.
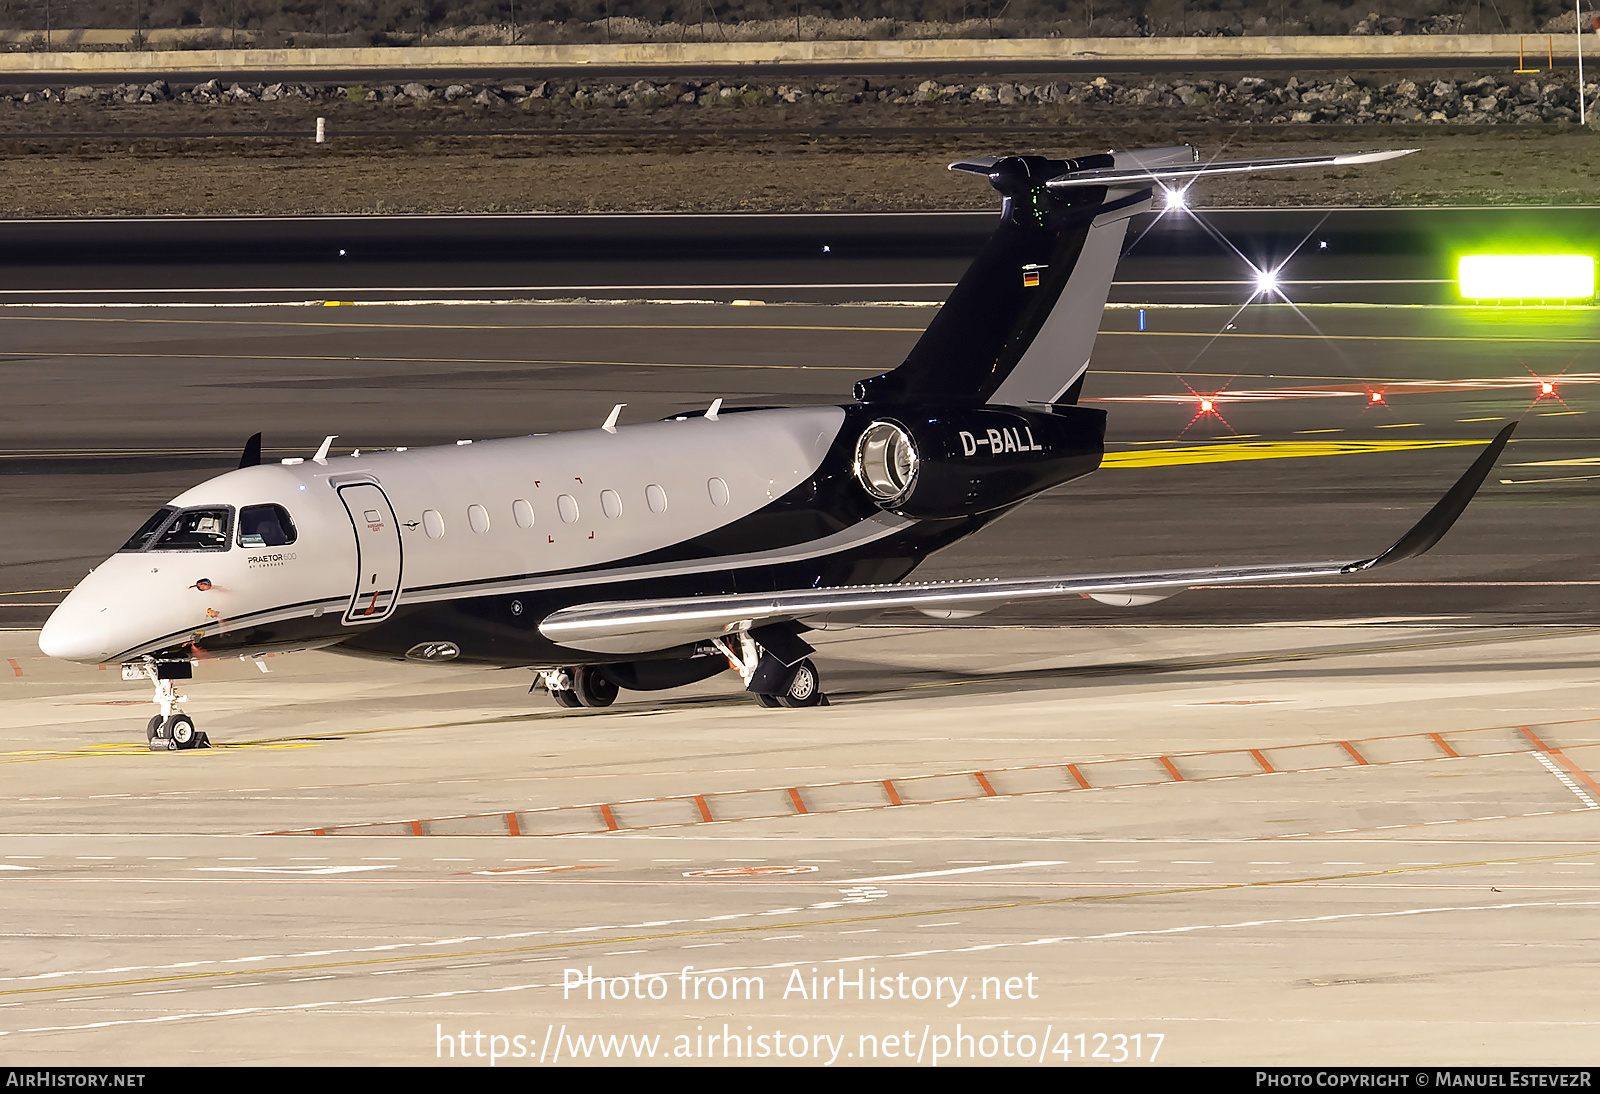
<point>251,456</point>
<point>611,422</point>
<point>322,453</point>
<point>711,413</point>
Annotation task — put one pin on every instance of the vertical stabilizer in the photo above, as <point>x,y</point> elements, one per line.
<point>1019,327</point>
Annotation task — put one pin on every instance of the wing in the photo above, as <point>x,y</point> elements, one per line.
<point>1109,176</point>
<point>640,626</point>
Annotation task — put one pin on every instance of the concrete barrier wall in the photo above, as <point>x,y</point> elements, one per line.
<point>1491,48</point>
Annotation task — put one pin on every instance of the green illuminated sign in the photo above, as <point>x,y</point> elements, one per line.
<point>1526,277</point>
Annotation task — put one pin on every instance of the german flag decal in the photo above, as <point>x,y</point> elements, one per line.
<point>1030,276</point>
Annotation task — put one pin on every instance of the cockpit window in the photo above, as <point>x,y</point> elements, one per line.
<point>265,526</point>
<point>196,530</point>
<point>141,539</point>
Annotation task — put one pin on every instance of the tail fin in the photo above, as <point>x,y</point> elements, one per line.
<point>1019,327</point>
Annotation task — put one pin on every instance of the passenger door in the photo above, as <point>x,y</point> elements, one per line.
<point>378,556</point>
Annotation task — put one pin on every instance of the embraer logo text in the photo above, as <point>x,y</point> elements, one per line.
<point>1000,440</point>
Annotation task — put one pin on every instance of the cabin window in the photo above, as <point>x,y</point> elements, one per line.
<point>655,498</point>
<point>522,512</point>
<point>265,526</point>
<point>433,524</point>
<point>719,492</point>
<point>196,530</point>
<point>610,503</point>
<point>478,518</point>
<point>567,506</point>
<point>147,531</point>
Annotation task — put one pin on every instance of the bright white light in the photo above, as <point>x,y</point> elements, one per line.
<point>1526,277</point>
<point>1177,200</point>
<point>1266,281</point>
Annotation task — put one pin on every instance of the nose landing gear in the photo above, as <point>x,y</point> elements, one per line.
<point>172,729</point>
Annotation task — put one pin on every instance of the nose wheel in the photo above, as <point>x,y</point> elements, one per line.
<point>173,733</point>
<point>171,730</point>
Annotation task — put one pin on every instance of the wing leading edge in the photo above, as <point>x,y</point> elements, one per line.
<point>640,626</point>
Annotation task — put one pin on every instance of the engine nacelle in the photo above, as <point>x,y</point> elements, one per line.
<point>959,462</point>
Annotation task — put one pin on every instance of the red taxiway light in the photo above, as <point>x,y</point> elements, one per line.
<point>1375,397</point>
<point>1206,407</point>
<point>1546,388</point>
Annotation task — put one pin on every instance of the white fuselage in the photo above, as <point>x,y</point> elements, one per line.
<point>386,530</point>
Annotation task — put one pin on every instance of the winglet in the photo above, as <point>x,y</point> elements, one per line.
<point>1432,527</point>
<point>251,456</point>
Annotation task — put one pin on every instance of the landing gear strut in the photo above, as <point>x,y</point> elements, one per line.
<point>172,729</point>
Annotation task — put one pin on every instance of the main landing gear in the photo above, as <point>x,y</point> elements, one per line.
<point>804,689</point>
<point>774,667</point>
<point>789,679</point>
<point>581,686</point>
<point>172,729</point>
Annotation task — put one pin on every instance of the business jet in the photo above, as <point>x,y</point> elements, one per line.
<point>650,556</point>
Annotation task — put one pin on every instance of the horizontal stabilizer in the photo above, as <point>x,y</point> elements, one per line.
<point>643,625</point>
<point>976,165</point>
<point>1114,176</point>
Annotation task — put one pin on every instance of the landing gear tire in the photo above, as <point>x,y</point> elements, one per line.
<point>767,700</point>
<point>565,698</point>
<point>180,730</point>
<point>592,688</point>
<point>805,687</point>
<point>153,729</point>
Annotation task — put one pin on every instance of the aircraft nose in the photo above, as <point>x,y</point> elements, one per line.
<point>76,632</point>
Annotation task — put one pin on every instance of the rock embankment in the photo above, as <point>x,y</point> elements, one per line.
<point>1544,99</point>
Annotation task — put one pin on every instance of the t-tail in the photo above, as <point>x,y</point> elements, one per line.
<point>1019,328</point>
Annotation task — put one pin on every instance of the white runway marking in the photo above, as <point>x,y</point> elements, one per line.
<point>1566,781</point>
<point>298,870</point>
<point>963,870</point>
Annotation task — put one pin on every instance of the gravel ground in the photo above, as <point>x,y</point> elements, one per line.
<point>77,159</point>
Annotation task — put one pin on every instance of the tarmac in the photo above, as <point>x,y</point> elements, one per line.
<point>1244,845</point>
<point>1345,824</point>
